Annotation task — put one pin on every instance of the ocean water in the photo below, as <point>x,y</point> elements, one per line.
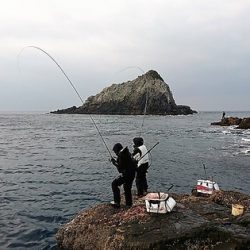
<point>54,166</point>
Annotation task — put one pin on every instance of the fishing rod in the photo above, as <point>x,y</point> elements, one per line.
<point>72,85</point>
<point>172,185</point>
<point>159,193</point>
<point>205,170</point>
<point>149,151</point>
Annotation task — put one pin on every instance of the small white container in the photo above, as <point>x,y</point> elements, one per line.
<point>159,203</point>
<point>237,209</point>
<point>206,186</point>
<point>170,204</point>
<point>216,186</point>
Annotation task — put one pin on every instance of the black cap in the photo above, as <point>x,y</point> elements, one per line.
<point>138,141</point>
<point>117,147</point>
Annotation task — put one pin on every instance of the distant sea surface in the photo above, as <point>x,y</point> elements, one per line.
<point>54,166</point>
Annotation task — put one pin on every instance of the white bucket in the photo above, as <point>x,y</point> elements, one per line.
<point>237,209</point>
<point>159,203</point>
<point>170,203</point>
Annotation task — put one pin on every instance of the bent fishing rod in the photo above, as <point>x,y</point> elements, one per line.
<point>72,85</point>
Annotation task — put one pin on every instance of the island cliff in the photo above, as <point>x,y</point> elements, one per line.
<point>129,98</point>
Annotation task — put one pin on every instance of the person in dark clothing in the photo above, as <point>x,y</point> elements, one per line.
<point>223,115</point>
<point>141,156</point>
<point>126,167</point>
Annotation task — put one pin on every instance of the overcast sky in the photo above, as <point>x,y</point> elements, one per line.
<point>200,48</point>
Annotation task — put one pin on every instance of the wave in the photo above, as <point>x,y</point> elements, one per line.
<point>243,152</point>
<point>245,139</point>
<point>44,218</point>
<point>47,175</point>
<point>247,151</point>
<point>225,132</point>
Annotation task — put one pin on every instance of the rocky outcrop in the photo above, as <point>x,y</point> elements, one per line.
<point>130,98</point>
<point>228,121</point>
<point>232,121</point>
<point>195,223</point>
<point>66,111</point>
<point>244,124</point>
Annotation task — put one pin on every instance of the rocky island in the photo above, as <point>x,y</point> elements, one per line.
<point>131,98</point>
<point>195,223</point>
<point>242,123</point>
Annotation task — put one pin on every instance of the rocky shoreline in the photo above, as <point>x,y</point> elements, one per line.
<point>195,223</point>
<point>147,92</point>
<point>241,123</point>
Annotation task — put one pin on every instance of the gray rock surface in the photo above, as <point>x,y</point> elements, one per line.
<point>129,98</point>
<point>195,223</point>
<point>244,124</point>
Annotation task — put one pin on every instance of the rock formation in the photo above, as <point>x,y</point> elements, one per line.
<point>230,121</point>
<point>244,124</point>
<point>129,98</point>
<point>195,223</point>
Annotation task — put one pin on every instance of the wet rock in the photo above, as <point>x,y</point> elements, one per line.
<point>195,223</point>
<point>68,110</point>
<point>228,121</point>
<point>244,124</point>
<point>129,98</point>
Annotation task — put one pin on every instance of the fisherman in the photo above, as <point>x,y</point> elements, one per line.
<point>223,115</point>
<point>140,154</point>
<point>126,166</point>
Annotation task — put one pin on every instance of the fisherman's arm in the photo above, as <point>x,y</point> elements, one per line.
<point>137,154</point>
<point>115,162</point>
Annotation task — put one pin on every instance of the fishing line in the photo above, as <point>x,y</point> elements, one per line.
<point>146,101</point>
<point>145,107</point>
<point>144,113</point>
<point>132,67</point>
<point>72,85</point>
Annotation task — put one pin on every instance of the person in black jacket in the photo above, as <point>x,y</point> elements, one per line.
<point>126,167</point>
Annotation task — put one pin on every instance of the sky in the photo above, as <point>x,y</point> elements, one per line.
<point>200,48</point>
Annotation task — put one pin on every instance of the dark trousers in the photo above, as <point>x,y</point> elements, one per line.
<point>141,180</point>
<point>127,185</point>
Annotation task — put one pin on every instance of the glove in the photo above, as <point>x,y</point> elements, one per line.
<point>113,161</point>
<point>135,161</point>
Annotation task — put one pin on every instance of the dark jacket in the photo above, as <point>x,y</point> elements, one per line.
<point>125,164</point>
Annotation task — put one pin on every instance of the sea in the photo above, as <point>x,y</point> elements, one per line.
<point>54,166</point>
